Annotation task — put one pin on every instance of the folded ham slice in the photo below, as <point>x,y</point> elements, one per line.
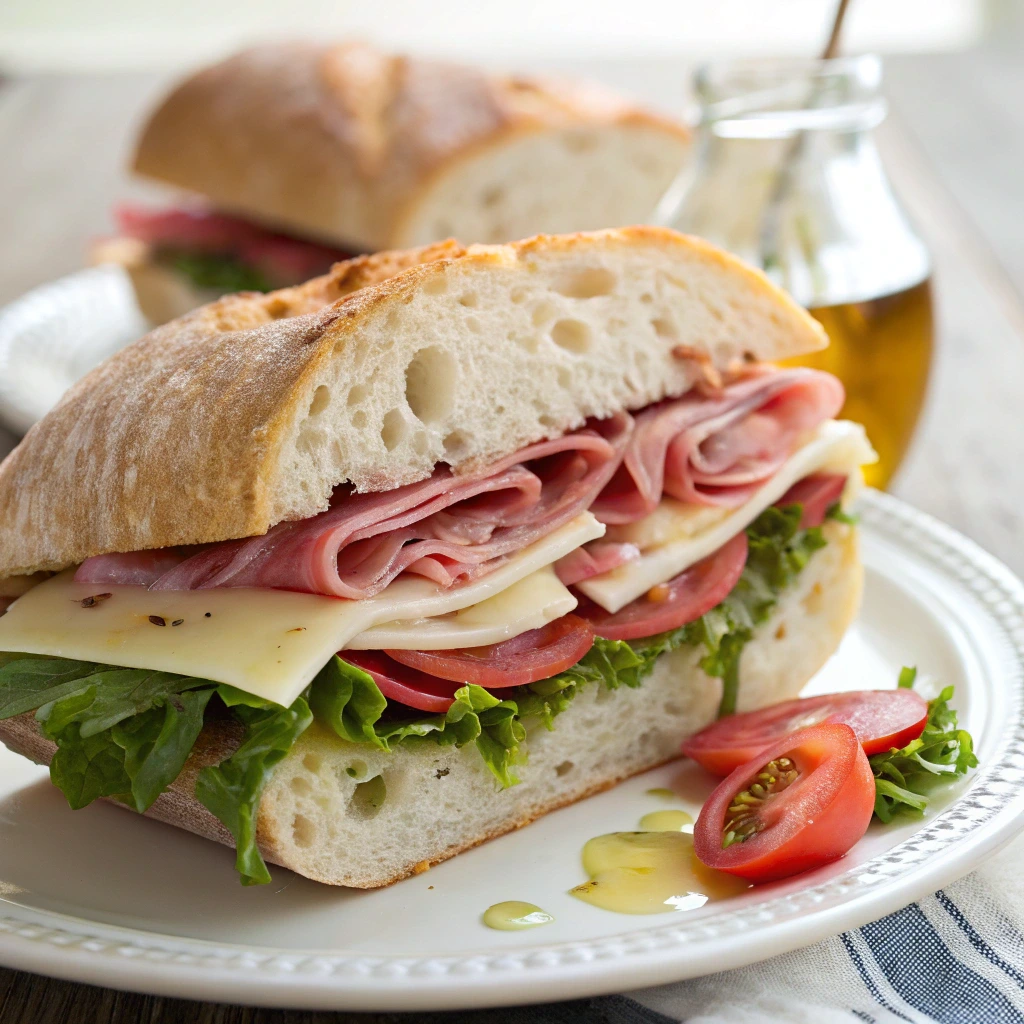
<point>593,559</point>
<point>132,569</point>
<point>717,449</point>
<point>448,528</point>
<point>284,260</point>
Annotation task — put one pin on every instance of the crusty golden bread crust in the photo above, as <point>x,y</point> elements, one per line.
<point>185,437</point>
<point>337,141</point>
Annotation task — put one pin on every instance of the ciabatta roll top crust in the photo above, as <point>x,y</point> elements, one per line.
<point>375,151</point>
<point>251,410</point>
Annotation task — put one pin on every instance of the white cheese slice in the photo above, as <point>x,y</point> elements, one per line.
<point>268,642</point>
<point>533,602</point>
<point>675,536</point>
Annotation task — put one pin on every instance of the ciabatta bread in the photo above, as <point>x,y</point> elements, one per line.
<point>316,816</point>
<point>254,408</point>
<point>371,151</point>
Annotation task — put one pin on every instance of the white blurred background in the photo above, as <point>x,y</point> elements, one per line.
<point>145,35</point>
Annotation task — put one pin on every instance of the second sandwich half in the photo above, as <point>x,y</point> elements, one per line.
<point>356,575</point>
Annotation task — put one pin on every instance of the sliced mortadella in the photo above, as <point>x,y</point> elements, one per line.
<point>134,568</point>
<point>593,559</point>
<point>717,449</point>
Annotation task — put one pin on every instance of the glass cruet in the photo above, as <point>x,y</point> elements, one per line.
<point>786,174</point>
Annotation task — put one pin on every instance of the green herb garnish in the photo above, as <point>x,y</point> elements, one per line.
<point>904,778</point>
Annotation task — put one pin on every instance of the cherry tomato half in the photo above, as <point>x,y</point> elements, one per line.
<point>800,804</point>
<point>536,654</point>
<point>882,719</point>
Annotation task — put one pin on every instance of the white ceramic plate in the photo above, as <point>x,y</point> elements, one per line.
<point>56,333</point>
<point>103,896</point>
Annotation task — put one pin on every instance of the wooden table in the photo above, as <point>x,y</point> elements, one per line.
<point>954,145</point>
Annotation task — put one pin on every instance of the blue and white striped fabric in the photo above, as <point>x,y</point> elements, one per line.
<point>956,957</point>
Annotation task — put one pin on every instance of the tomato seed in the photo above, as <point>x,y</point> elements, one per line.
<point>742,820</point>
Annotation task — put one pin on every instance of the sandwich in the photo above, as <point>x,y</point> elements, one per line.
<point>291,156</point>
<point>356,575</point>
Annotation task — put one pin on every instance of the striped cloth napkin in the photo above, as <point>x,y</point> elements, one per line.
<point>956,957</point>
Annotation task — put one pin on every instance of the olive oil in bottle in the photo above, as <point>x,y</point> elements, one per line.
<point>881,350</point>
<point>786,175</point>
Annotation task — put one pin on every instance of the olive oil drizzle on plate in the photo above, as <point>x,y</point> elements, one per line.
<point>651,872</point>
<point>515,915</point>
<point>667,821</point>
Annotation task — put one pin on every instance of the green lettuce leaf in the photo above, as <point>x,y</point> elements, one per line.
<point>498,728</point>
<point>119,732</point>
<point>28,681</point>
<point>219,272</point>
<point>904,778</point>
<point>231,791</point>
<point>109,696</point>
<point>87,768</point>
<point>156,744</point>
<point>134,761</point>
<point>347,700</point>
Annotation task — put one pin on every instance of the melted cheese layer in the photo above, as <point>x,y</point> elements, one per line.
<point>533,602</point>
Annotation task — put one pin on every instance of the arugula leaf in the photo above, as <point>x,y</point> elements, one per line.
<point>135,760</point>
<point>85,768</point>
<point>221,272</point>
<point>28,681</point>
<point>109,696</point>
<point>231,791</point>
<point>157,746</point>
<point>905,777</point>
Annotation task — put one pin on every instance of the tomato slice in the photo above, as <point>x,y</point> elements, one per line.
<point>670,605</point>
<point>817,493</point>
<point>882,719</point>
<point>402,684</point>
<point>800,804</point>
<point>527,658</point>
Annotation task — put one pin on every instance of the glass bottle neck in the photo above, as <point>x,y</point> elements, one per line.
<point>834,233</point>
